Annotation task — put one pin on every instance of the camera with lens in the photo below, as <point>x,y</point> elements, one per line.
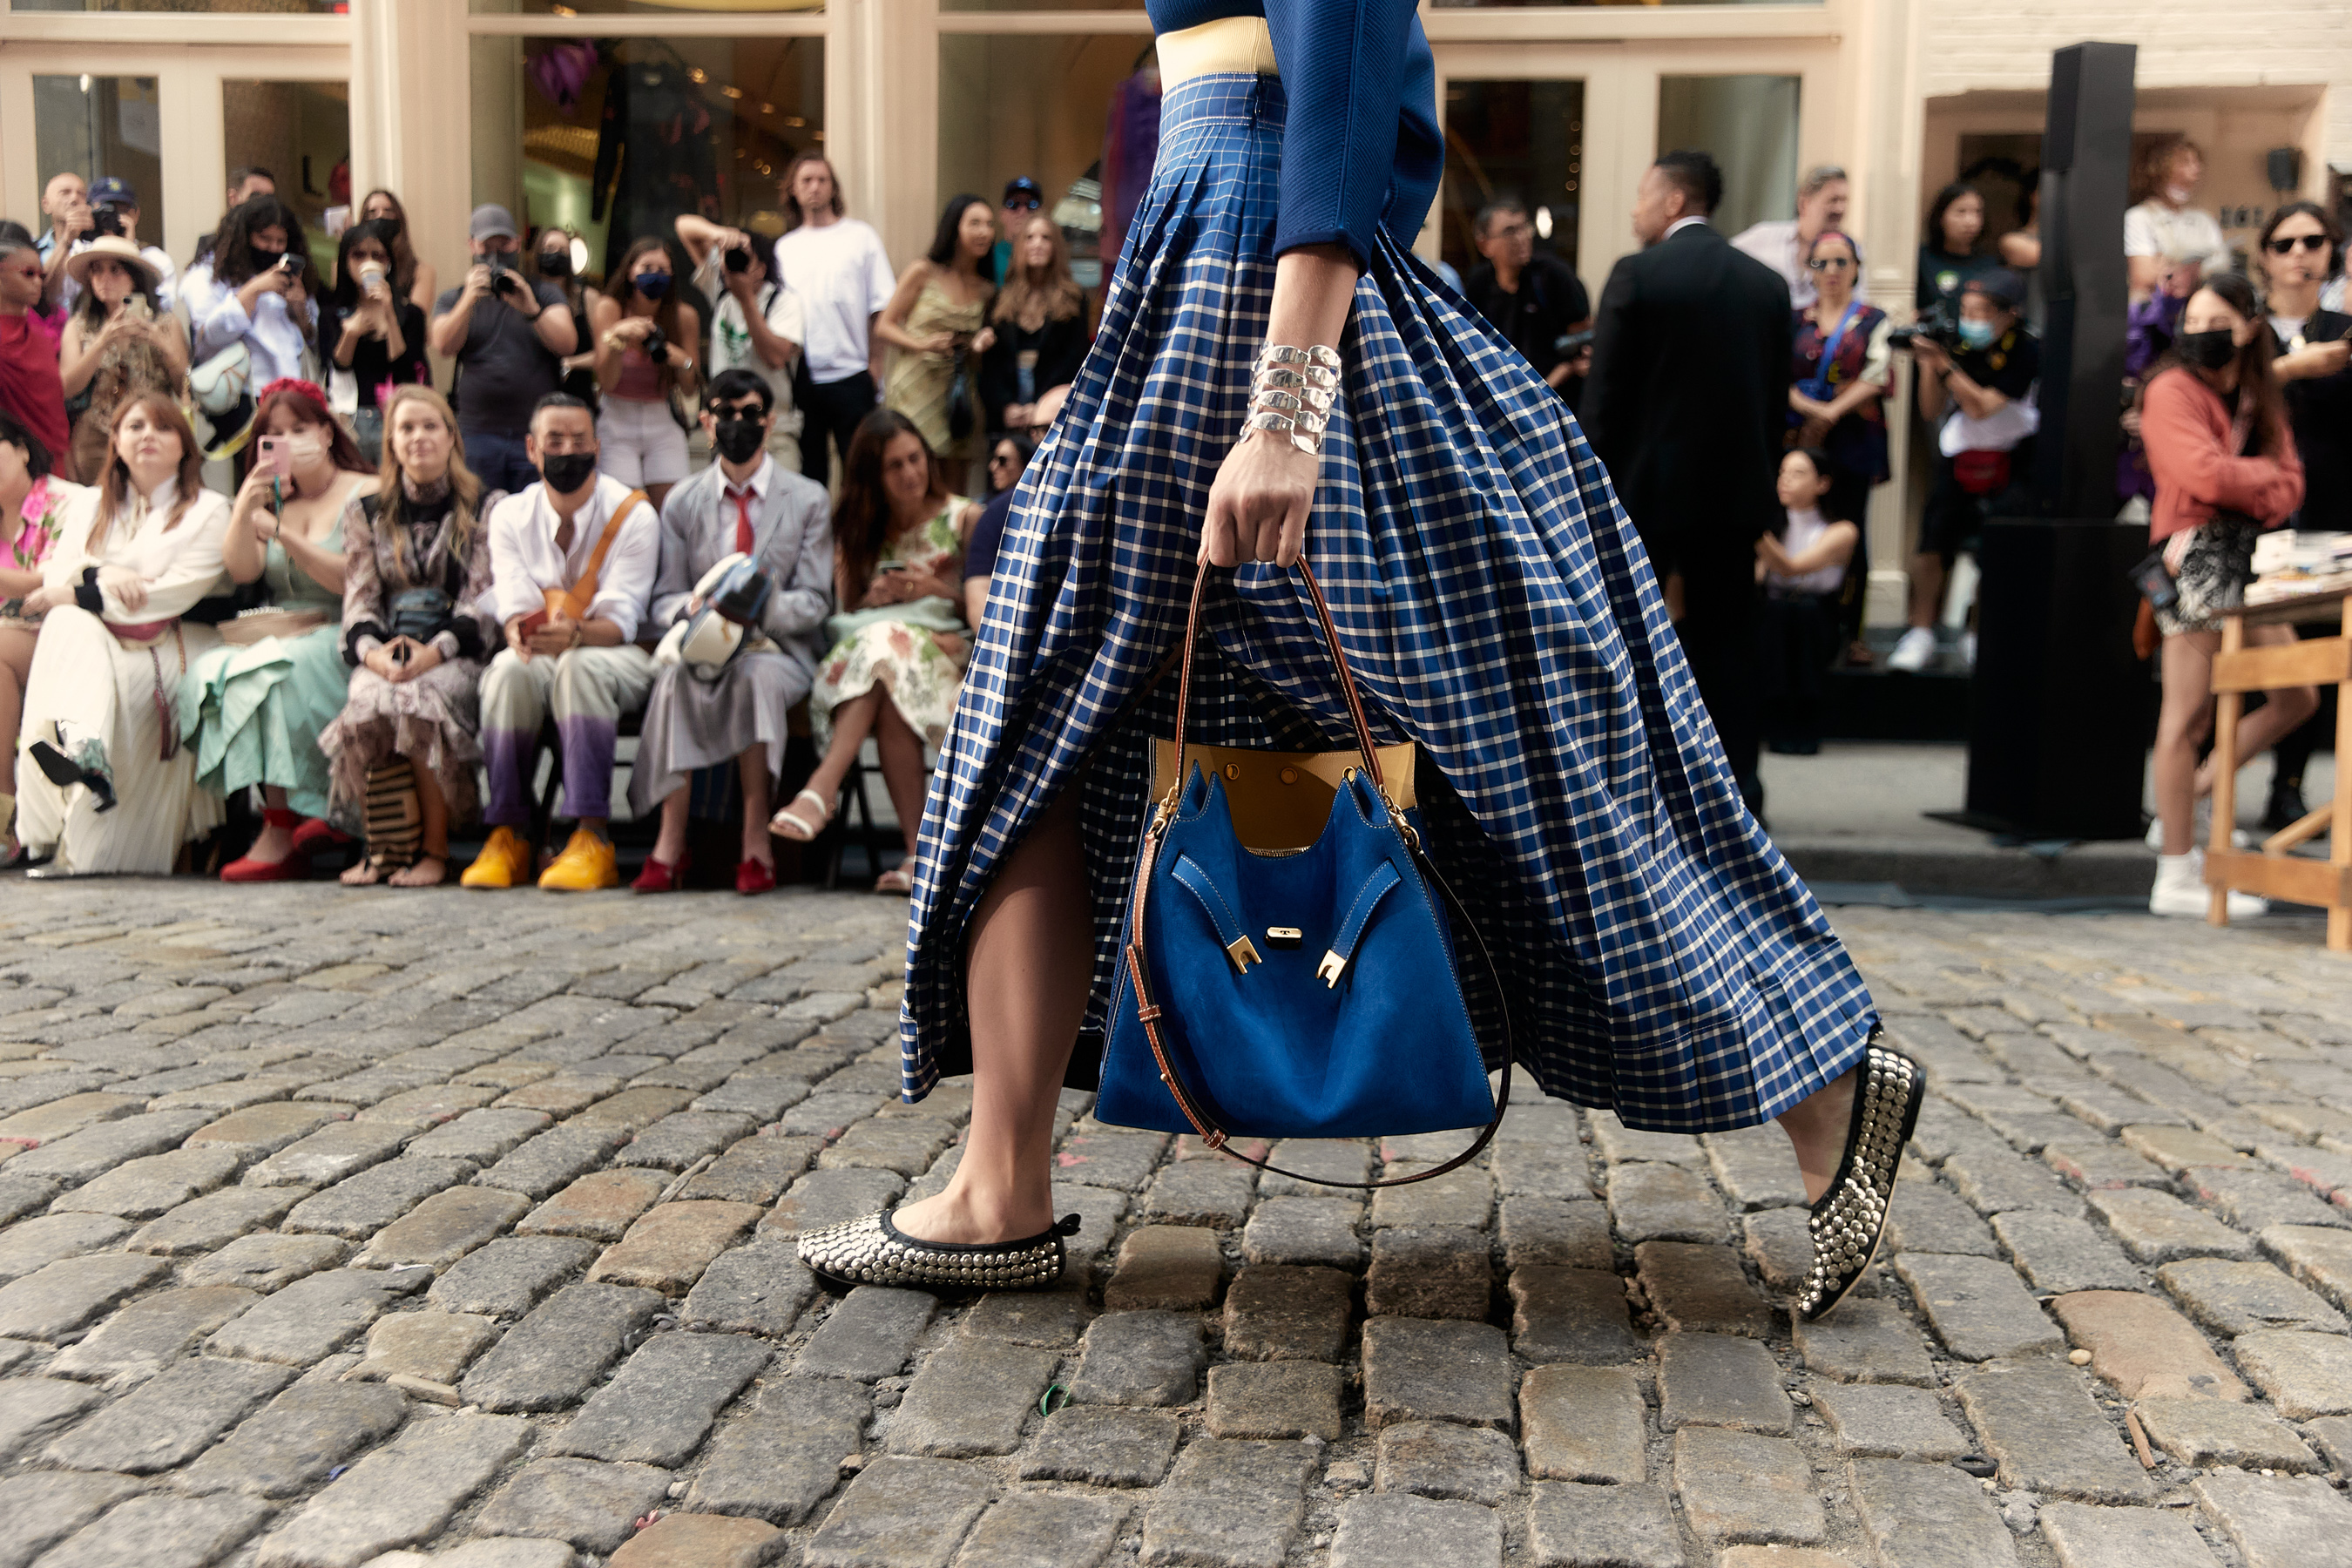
<point>739,260</point>
<point>107,220</point>
<point>290,264</point>
<point>1938,323</point>
<point>656,345</point>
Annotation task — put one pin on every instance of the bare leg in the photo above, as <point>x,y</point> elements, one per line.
<point>15,669</point>
<point>2181,724</point>
<point>1817,1126</point>
<point>851,723</point>
<point>275,844</point>
<point>902,771</point>
<point>669,844</point>
<point>656,494</point>
<point>2281,714</point>
<point>1927,588</point>
<point>431,864</point>
<point>752,767</point>
<point>1028,965</point>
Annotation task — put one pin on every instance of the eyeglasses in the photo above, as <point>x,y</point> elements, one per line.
<point>1002,460</point>
<point>2285,246</point>
<point>1823,263</point>
<point>1023,204</point>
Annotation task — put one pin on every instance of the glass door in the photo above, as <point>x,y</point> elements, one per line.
<point>1512,141</point>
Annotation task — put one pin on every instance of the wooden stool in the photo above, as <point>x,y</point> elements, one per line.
<point>2237,669</point>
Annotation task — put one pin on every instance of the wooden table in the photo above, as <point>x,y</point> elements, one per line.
<point>2270,871</point>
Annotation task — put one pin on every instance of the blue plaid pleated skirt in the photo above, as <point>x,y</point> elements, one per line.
<point>1657,955</point>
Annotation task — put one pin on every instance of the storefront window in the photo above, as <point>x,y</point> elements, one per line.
<point>100,125</point>
<point>1749,124</point>
<point>1088,143</point>
<point>1523,139</point>
<point>615,138</point>
<point>302,132</point>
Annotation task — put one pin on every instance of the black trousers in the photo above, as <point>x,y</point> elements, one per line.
<point>1718,634</point>
<point>1801,636</point>
<point>832,411</point>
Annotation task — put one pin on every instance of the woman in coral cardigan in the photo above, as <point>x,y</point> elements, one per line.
<point>2215,427</point>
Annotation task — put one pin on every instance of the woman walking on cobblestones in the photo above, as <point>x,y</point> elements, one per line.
<point>1490,595</point>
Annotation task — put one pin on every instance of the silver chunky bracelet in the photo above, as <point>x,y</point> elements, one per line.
<point>1291,391</point>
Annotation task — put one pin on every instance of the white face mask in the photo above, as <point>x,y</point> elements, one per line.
<point>2178,195</point>
<point>305,449</point>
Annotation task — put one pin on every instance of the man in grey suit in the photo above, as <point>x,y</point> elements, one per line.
<point>745,502</point>
<point>1687,404</point>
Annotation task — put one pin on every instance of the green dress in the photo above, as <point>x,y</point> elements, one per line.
<point>252,715</point>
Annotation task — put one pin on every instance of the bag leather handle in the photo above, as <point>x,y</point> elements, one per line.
<point>1148,1012</point>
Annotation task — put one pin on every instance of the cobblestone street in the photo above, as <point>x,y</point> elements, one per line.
<point>396,1229</point>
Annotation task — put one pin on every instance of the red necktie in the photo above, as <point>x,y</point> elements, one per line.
<point>743,521</point>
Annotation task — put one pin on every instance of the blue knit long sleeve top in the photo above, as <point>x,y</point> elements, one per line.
<point>1361,150</point>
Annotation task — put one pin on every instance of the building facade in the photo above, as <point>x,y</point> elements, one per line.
<point>610,116</point>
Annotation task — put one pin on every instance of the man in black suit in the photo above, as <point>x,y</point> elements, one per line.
<point>1687,404</point>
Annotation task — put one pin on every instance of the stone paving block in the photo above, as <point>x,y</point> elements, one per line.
<point>563,1094</point>
<point>660,1406</point>
<point>1463,1198</point>
<point>22,1195</point>
<point>1736,1487</point>
<point>1926,1218</point>
<point>1439,1459</point>
<point>1419,1370</point>
<point>1977,1306</point>
<point>1230,1503</point>
<point>143,1188</point>
<point>63,1117</point>
<point>1571,1314</point>
<point>429,1105</point>
<point>2157,1228</point>
<point>34,1244</point>
<point>2321,1258</point>
<point>338,1150</point>
<point>1401,1531</point>
<point>2179,1149</point>
<point>1618,1143</point>
<point>212,1222</point>
<point>786,1457</point>
<point>1719,1380</point>
<point>142,1337</point>
<point>1780,1246</point>
<point>754,1170</point>
<point>1927,1516</point>
<point>700,1541</point>
<point>1882,1421</point>
<point>1275,1313</point>
<point>1304,1231</point>
<point>2334,1435</point>
<point>669,1248</point>
<point>901,1513</point>
<point>93,1151</point>
<point>32,1407</point>
<point>2257,1200</point>
<point>480,1137</point>
<point>60,1297</point>
<point>2090,1162</point>
<point>759,1289</point>
<point>1573,1526</point>
<point>314,1316</point>
<point>867,1335</point>
<point>821,1198</point>
<point>553,1159</point>
<point>170,1418</point>
<point>434,1346</point>
<point>601,1206</point>
<point>1125,1160</point>
<point>1581,1423</point>
<point>445,1226</point>
<point>44,1508</point>
<point>1213,1193</point>
<point>592,1505</point>
<point>1102,1446</point>
<point>162,1532</point>
<point>1701,1289</point>
<point>2203,1433</point>
<point>510,1276</point>
<point>267,1261</point>
<point>2087,1537</point>
<point>1276,1399</point>
<point>1534,1170</point>
<point>1866,1340</point>
<point>2284,1523</point>
<point>2059,1252</point>
<point>2038,1420</point>
<point>1429,1271</point>
<point>2239,1298</point>
<point>2144,1347</point>
<point>1756,1168</point>
<point>302,1434</point>
<point>1653,1202</point>
<point>763,1099</point>
<point>1052,1319</point>
<point>2304,1375</point>
<point>1168,1267</point>
<point>358,1206</point>
<point>1139,1358</point>
<point>560,1350</point>
<point>1994,1179</point>
<point>678,1140</point>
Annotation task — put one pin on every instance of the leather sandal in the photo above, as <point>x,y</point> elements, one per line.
<point>873,1251</point>
<point>789,819</point>
<point>898,878</point>
<point>1848,1221</point>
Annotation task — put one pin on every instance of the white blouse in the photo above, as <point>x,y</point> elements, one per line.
<point>180,563</point>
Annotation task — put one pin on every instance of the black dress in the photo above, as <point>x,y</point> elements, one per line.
<point>1061,348</point>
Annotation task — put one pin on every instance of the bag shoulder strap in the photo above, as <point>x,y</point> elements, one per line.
<point>583,594</point>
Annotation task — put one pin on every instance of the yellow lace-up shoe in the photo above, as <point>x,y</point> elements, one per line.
<point>504,861</point>
<point>586,863</point>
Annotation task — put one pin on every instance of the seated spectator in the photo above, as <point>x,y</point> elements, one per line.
<point>30,390</point>
<point>1980,401</point>
<point>1532,299</point>
<point>937,325</point>
<point>251,711</point>
<point>550,262</point>
<point>1007,462</point>
<point>2164,225</point>
<point>113,790</point>
<point>746,503</point>
<point>1803,569</point>
<point>371,331</point>
<point>1040,322</point>
<point>413,278</point>
<point>645,343</point>
<point>1782,244</point>
<point>1951,252</point>
<point>572,559</point>
<point>757,324</point>
<point>33,504</point>
<point>418,620</point>
<point>508,337</point>
<point>258,289</point>
<point>123,340</point>
<point>901,643</point>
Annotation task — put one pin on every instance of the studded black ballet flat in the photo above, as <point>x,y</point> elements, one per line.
<point>873,1251</point>
<point>1849,1220</point>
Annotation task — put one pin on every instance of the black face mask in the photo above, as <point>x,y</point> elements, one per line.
<point>555,264</point>
<point>2207,350</point>
<point>567,471</point>
<point>392,228</point>
<point>738,438</point>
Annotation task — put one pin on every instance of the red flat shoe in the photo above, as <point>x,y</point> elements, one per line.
<point>248,869</point>
<point>658,878</point>
<point>754,877</point>
<point>315,837</point>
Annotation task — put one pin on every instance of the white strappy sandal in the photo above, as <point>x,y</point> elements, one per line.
<point>790,824</point>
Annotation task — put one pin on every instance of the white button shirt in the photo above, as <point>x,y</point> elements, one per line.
<point>526,563</point>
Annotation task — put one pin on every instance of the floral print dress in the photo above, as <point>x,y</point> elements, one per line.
<point>37,524</point>
<point>891,646</point>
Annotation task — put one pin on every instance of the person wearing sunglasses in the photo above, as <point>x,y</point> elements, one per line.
<point>1839,375</point>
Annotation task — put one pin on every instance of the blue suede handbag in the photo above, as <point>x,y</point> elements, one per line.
<point>1273,989</point>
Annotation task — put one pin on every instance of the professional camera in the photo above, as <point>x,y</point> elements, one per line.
<point>107,220</point>
<point>1938,323</point>
<point>656,345</point>
<point>739,260</point>
<point>503,277</point>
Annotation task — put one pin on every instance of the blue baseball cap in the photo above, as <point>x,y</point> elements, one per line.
<point>113,191</point>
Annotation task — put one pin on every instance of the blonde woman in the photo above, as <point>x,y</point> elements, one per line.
<point>111,788</point>
<point>417,624</point>
<point>1040,319</point>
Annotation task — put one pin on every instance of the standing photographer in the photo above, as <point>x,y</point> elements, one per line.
<point>508,335</point>
<point>1977,391</point>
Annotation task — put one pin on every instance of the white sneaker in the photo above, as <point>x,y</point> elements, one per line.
<point>1912,653</point>
<point>2201,830</point>
<point>1969,649</point>
<point>2181,890</point>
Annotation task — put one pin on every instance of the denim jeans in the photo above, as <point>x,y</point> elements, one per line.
<point>498,459</point>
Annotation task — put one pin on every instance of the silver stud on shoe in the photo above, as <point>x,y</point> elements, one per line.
<point>1849,1220</point>
<point>873,1251</point>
